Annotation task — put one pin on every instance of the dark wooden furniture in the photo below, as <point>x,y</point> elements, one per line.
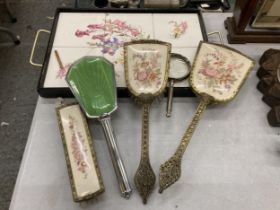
<point>238,26</point>
<point>269,85</point>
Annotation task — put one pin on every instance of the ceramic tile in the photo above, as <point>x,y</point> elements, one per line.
<point>55,76</point>
<point>97,29</point>
<point>131,26</point>
<point>76,29</point>
<point>118,61</point>
<point>182,30</point>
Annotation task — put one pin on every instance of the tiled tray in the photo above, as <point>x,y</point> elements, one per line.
<point>77,33</point>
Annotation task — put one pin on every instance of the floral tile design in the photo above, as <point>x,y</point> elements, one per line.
<point>111,34</point>
<point>69,23</point>
<point>182,30</point>
<point>178,29</point>
<point>103,34</point>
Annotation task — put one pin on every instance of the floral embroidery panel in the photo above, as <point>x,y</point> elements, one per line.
<point>80,158</point>
<point>146,69</point>
<point>219,72</point>
<point>78,148</point>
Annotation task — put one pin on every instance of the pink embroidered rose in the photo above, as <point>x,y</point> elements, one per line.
<point>153,76</point>
<point>142,75</point>
<point>230,66</point>
<point>211,72</point>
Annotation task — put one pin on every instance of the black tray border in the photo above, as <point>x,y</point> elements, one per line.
<point>122,92</point>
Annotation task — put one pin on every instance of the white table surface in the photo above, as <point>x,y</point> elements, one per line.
<point>232,162</point>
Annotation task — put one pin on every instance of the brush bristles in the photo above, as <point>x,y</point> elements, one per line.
<point>141,100</point>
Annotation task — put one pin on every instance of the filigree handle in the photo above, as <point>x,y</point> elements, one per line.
<point>170,171</point>
<point>145,178</point>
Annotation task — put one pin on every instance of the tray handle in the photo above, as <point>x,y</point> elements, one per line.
<point>34,46</point>
<point>218,33</point>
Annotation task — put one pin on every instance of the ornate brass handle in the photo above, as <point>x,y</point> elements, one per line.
<point>145,178</point>
<point>170,171</point>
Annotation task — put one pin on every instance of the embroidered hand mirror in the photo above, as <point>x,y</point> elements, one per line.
<point>217,75</point>
<point>92,81</point>
<point>146,73</point>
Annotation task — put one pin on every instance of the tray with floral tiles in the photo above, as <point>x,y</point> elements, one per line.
<point>78,32</point>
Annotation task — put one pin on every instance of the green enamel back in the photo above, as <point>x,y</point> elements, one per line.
<point>92,81</point>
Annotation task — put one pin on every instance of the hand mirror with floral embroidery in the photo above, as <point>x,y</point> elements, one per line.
<point>217,75</point>
<point>146,74</point>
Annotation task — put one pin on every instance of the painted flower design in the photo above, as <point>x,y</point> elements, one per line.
<point>219,70</point>
<point>78,148</point>
<point>63,71</point>
<point>110,35</point>
<point>178,29</point>
<point>111,46</point>
<point>79,33</point>
<point>146,69</point>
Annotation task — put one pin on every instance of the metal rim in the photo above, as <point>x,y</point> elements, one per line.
<point>186,61</point>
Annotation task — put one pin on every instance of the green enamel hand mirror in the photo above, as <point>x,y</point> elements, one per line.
<point>92,81</point>
<point>146,73</point>
<point>217,75</point>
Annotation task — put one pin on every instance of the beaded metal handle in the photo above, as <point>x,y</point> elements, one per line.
<point>145,178</point>
<point>170,171</point>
